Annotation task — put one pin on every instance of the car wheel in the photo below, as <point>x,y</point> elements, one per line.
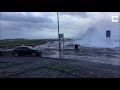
<point>40,55</point>
<point>33,54</point>
<point>16,54</point>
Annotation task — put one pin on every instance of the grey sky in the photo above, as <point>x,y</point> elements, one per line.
<point>39,25</point>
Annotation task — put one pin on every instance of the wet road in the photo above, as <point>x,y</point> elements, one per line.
<point>106,56</point>
<point>85,62</point>
<point>41,67</point>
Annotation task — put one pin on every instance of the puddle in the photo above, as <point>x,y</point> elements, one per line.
<point>106,59</point>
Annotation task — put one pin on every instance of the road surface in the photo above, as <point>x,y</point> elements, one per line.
<point>41,67</point>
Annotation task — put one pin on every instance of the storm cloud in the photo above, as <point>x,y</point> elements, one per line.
<point>37,25</point>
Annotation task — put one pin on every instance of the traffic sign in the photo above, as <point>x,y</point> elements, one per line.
<point>61,35</point>
<point>108,33</point>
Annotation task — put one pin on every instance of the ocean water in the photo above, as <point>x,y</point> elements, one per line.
<point>98,44</point>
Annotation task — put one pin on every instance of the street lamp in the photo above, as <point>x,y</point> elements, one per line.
<point>119,28</point>
<point>0,24</point>
<point>59,36</point>
<point>58,31</point>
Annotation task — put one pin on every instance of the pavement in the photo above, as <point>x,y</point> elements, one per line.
<point>42,67</point>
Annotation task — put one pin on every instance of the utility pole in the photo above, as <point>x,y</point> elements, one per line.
<point>58,31</point>
<point>119,28</point>
<point>58,35</point>
<point>0,24</point>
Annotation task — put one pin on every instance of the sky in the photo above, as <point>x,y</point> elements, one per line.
<point>43,25</point>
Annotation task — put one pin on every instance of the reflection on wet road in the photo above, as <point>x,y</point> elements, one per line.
<point>106,58</point>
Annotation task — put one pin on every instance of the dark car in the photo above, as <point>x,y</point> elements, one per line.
<point>1,52</point>
<point>26,50</point>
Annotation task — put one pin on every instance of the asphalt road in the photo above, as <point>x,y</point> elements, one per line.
<point>41,67</point>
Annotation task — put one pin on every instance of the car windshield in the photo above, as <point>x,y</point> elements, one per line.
<point>31,48</point>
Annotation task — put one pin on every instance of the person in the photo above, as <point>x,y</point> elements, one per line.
<point>76,47</point>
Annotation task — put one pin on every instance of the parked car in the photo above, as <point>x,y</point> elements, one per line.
<point>26,50</point>
<point>1,52</point>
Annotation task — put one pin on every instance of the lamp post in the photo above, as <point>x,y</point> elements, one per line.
<point>58,31</point>
<point>59,36</point>
<point>119,28</point>
<point>0,25</point>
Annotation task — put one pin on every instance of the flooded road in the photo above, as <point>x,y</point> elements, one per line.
<point>100,55</point>
<point>107,59</point>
